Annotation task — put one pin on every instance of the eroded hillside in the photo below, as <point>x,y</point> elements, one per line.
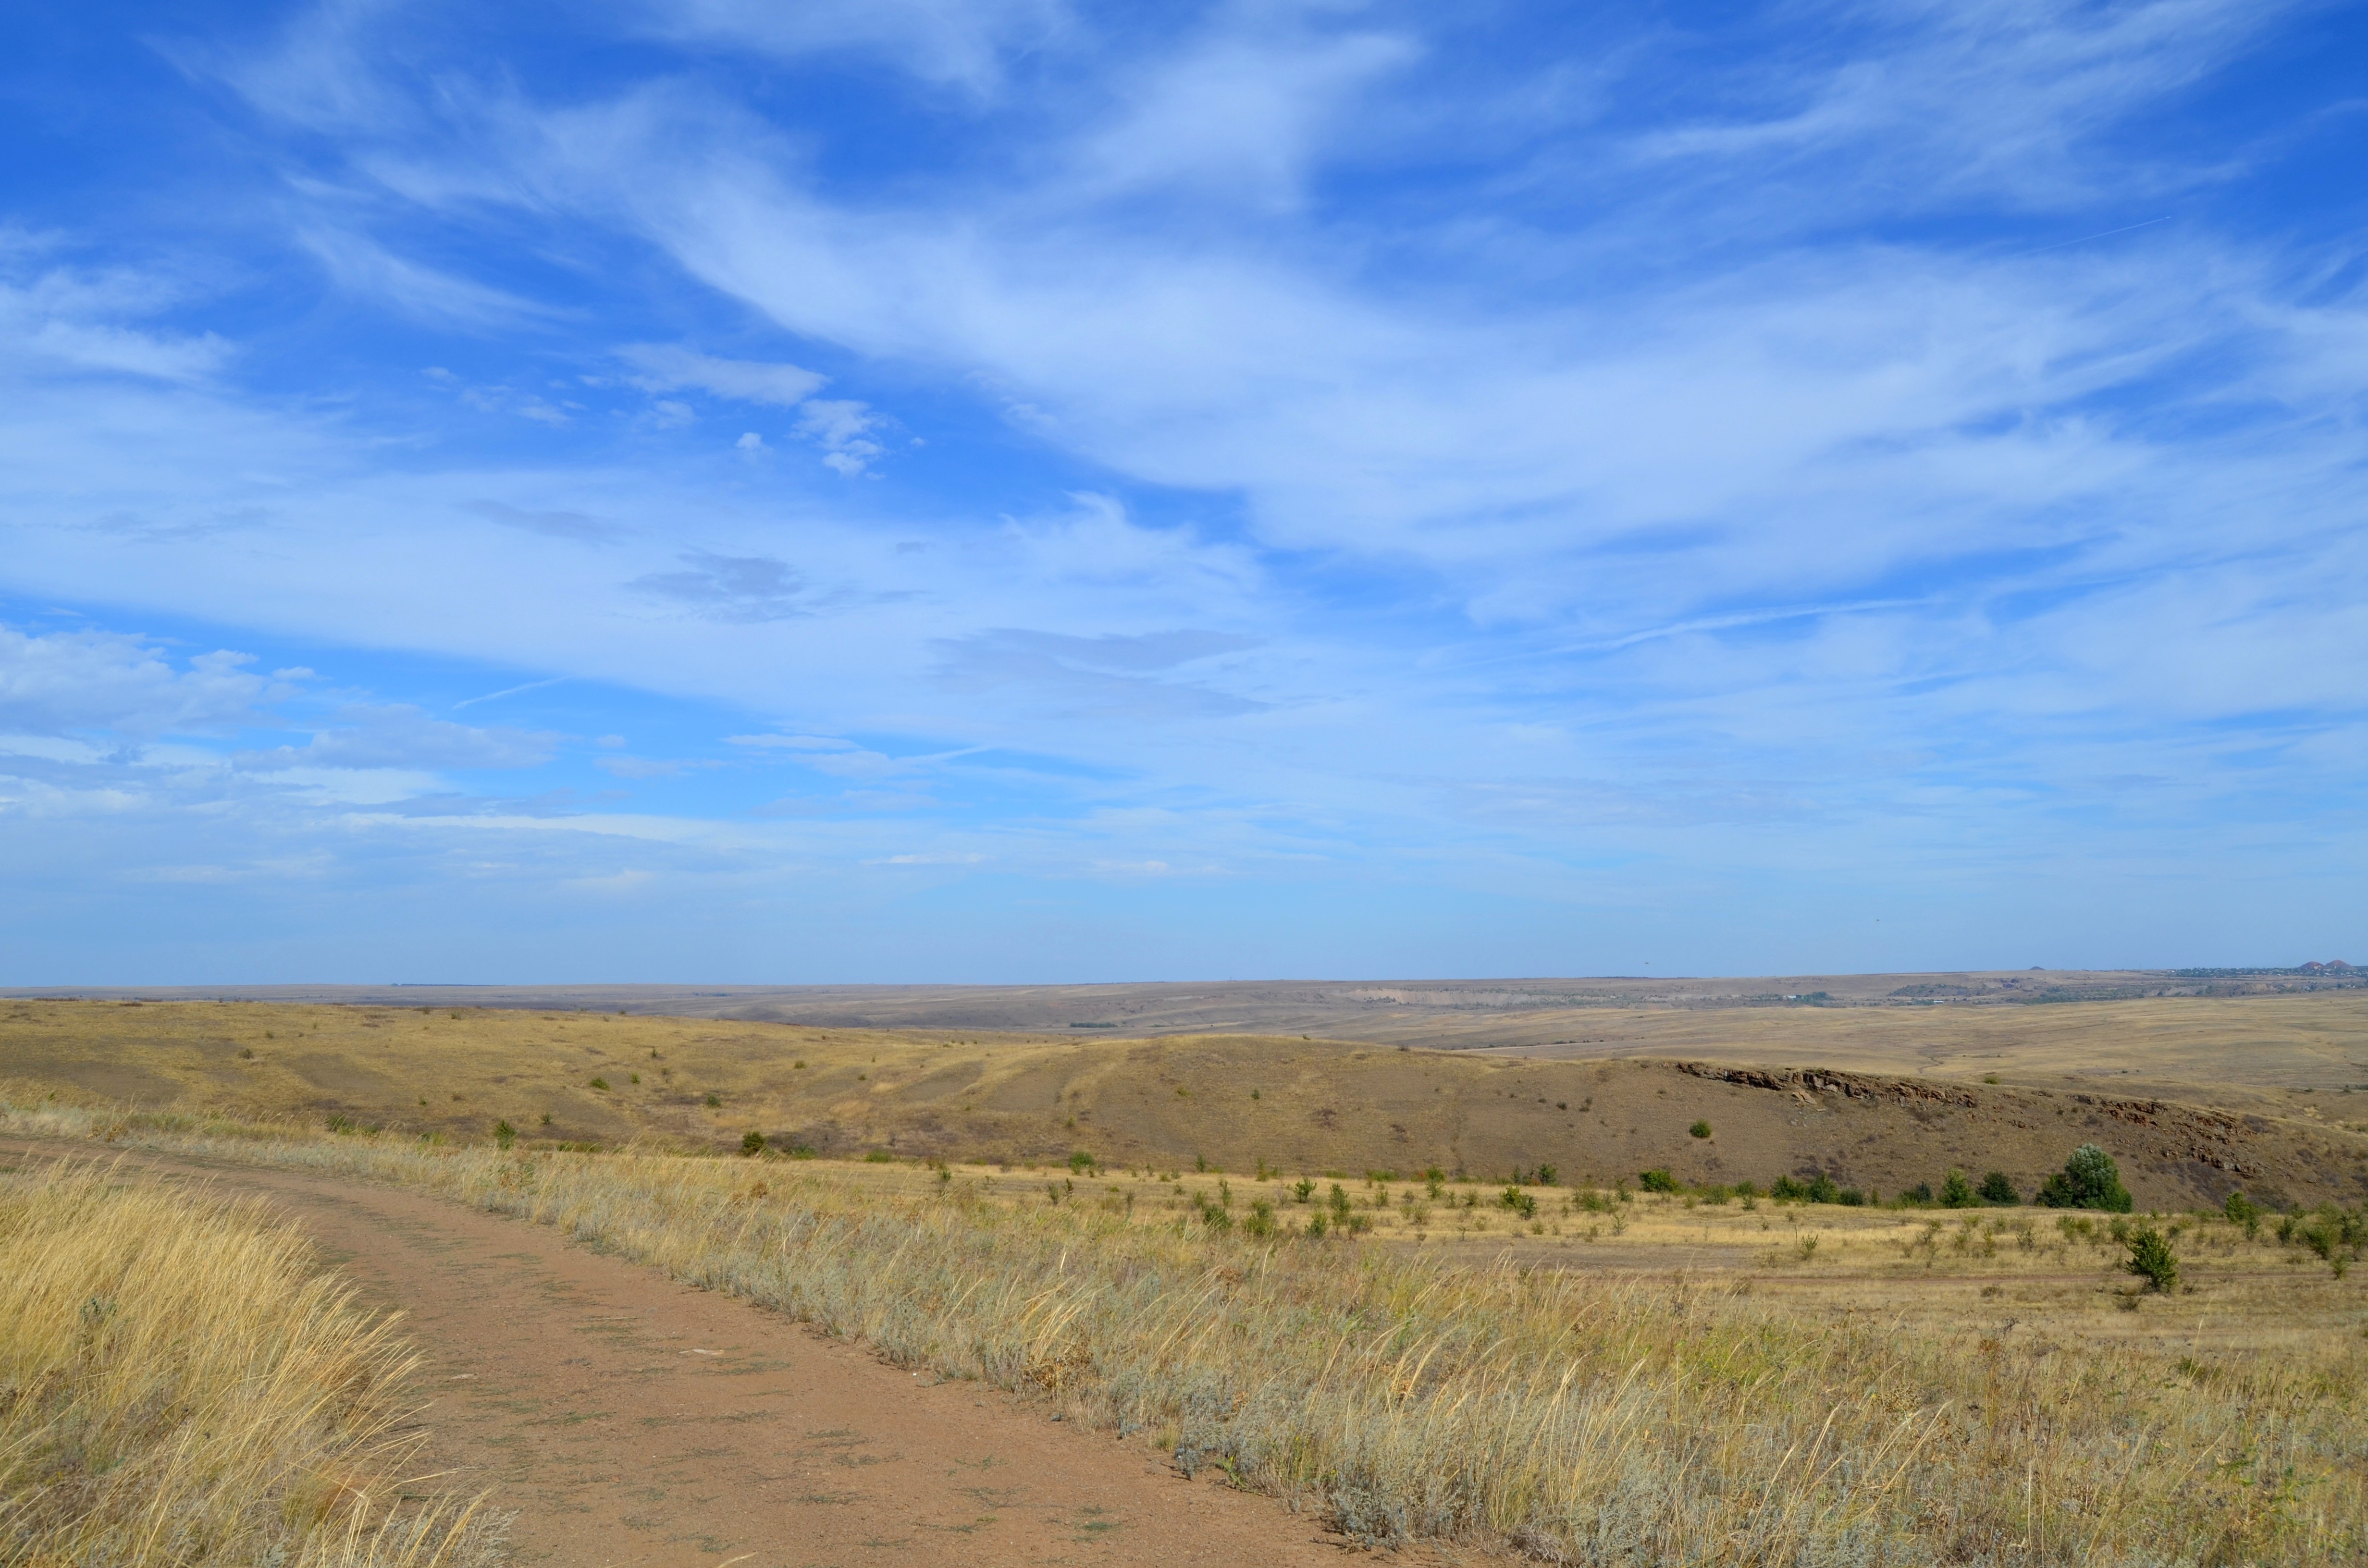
<point>1235,1101</point>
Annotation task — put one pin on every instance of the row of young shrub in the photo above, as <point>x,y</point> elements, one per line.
<point>2089,1179</point>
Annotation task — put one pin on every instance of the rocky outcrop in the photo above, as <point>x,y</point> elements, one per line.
<point>2176,1134</point>
<point>1807,1081</point>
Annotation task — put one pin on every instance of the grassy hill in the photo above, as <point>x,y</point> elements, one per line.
<point>1778,1105</point>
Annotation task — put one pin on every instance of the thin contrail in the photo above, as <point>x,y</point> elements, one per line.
<point>513,691</point>
<point>2084,239</point>
<point>1708,624</point>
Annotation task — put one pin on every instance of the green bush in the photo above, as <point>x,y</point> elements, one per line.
<point>2150,1258</point>
<point>1998,1188</point>
<point>1656,1181</point>
<point>1081,1161</point>
<point>505,1134</point>
<point>2350,1224</point>
<point>2334,1234</point>
<point>752,1143</point>
<point>2089,1179</point>
<point>2242,1211</point>
<point>599,1082</point>
<point>1700,1130</point>
<point>1818,1189</point>
<point>1956,1192</point>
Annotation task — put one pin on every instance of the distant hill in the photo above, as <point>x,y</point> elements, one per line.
<point>2195,1098</point>
<point>1441,1014</point>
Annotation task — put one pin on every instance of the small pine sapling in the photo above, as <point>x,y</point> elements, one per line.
<point>2151,1259</point>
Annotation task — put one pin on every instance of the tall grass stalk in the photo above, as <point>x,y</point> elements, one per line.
<point>1590,1420</point>
<point>179,1385</point>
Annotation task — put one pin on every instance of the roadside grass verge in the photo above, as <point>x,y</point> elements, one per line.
<point>179,1384</point>
<point>1587,1420</point>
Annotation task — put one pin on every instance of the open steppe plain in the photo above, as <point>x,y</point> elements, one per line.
<point>2196,1096</point>
<point>1574,1377</point>
<point>1562,1371</point>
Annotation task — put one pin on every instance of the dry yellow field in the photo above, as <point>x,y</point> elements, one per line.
<point>2257,1051</point>
<point>2035,1272</point>
<point>1588,1378</point>
<point>1905,1099</point>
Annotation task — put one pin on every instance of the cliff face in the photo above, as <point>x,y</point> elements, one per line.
<point>2173,1153</point>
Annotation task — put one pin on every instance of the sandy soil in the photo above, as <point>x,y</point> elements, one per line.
<point>629,1421</point>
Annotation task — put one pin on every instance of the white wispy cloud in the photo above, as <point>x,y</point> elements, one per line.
<point>1517,453</point>
<point>845,429</point>
<point>1239,118</point>
<point>730,587</point>
<point>398,735</point>
<point>670,367</point>
<point>792,742</point>
<point>962,43</point>
<point>1995,99</point>
<point>363,265</point>
<point>58,683</point>
<point>95,321</point>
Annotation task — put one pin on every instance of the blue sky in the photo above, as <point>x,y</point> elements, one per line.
<point>1029,491</point>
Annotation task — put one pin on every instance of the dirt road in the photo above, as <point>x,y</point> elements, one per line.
<point>634,1423</point>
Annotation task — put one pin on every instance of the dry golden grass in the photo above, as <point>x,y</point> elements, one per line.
<point>2249,1050</point>
<point>178,1384</point>
<point>1710,1412</point>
